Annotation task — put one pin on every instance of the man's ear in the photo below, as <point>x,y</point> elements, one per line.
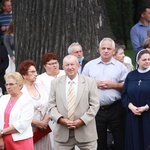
<point>113,52</point>
<point>142,15</point>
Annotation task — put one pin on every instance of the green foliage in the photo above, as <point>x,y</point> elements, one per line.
<point>120,14</point>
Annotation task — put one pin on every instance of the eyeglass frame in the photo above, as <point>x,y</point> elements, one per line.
<point>52,63</point>
<point>32,71</point>
<point>10,84</point>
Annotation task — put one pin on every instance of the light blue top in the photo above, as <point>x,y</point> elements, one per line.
<point>138,35</point>
<point>112,71</point>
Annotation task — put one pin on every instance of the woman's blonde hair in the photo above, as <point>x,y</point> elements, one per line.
<point>15,75</point>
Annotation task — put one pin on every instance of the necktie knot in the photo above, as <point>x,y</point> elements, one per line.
<point>71,82</point>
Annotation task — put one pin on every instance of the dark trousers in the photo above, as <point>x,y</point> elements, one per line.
<point>114,117</point>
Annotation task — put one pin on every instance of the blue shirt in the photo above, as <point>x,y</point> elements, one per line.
<point>138,35</point>
<point>4,21</point>
<point>112,71</point>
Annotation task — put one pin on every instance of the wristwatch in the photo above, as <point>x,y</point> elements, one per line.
<point>2,132</point>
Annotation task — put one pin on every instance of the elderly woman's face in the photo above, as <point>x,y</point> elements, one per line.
<point>11,86</point>
<point>52,67</point>
<point>120,55</point>
<point>31,74</point>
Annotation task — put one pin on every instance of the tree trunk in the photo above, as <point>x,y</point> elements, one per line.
<point>42,26</point>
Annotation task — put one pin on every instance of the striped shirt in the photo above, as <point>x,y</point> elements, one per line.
<point>4,21</point>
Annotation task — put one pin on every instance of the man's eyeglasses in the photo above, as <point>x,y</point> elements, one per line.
<point>10,84</point>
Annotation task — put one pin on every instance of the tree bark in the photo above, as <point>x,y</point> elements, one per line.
<point>42,26</point>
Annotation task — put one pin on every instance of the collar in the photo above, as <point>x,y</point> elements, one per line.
<point>141,24</point>
<point>80,59</point>
<point>112,61</point>
<point>8,13</point>
<point>75,80</point>
<point>143,71</point>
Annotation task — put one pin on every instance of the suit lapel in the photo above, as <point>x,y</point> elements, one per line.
<point>80,88</point>
<point>62,88</point>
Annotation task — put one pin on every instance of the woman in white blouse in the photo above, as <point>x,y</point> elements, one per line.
<point>51,65</point>
<point>39,96</point>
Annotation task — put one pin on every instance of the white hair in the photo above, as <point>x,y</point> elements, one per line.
<point>70,57</point>
<point>107,39</point>
<point>73,44</point>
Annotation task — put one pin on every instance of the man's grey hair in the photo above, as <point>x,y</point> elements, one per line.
<point>107,39</point>
<point>73,44</point>
<point>70,57</point>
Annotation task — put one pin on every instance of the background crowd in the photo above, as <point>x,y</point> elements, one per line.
<point>75,107</point>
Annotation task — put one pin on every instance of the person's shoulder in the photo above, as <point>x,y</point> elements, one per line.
<point>41,75</point>
<point>2,14</point>
<point>6,38</point>
<point>6,35</point>
<point>93,61</point>
<point>119,65</point>
<point>135,73</point>
<point>3,49</point>
<point>24,95</point>
<point>39,85</point>
<point>135,27</point>
<point>25,98</point>
<point>5,17</point>
<point>59,79</point>
<point>5,97</point>
<point>86,78</point>
<point>85,61</point>
<point>61,73</point>
<point>116,62</point>
<point>132,73</point>
<point>127,59</point>
<point>137,24</point>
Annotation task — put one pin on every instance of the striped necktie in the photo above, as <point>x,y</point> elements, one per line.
<point>71,101</point>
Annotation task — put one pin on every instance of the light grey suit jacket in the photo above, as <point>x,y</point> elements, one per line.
<point>87,105</point>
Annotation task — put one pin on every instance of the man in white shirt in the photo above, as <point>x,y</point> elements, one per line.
<point>109,75</point>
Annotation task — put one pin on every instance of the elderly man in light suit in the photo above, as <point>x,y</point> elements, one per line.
<point>80,131</point>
